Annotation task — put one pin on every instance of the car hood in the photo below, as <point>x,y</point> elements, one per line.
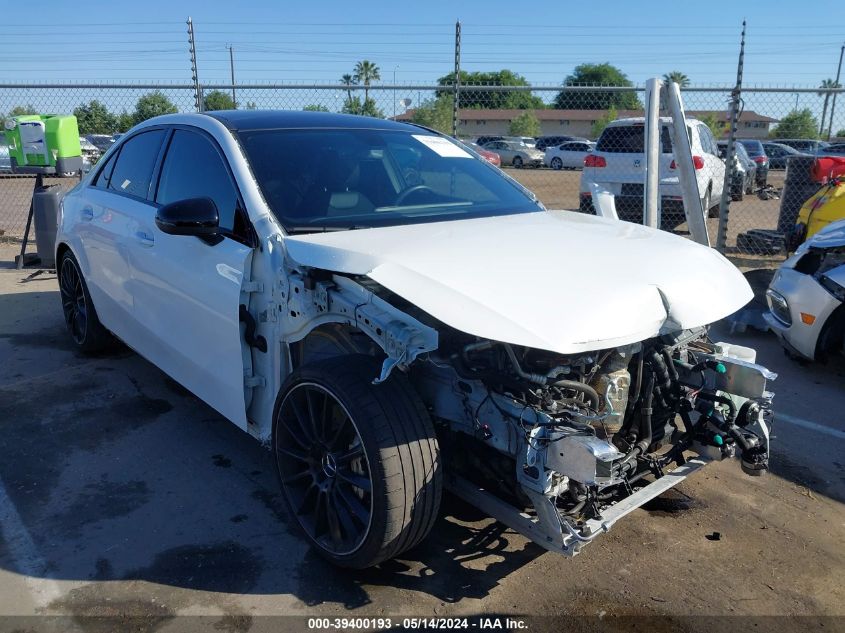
<point>554,280</point>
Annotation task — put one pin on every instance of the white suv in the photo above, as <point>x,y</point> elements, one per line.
<point>618,164</point>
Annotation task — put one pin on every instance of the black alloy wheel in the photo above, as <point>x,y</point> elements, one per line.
<point>326,476</point>
<point>74,305</point>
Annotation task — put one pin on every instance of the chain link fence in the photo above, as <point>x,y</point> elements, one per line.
<point>555,140</point>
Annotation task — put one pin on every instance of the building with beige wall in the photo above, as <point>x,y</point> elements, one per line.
<point>474,123</point>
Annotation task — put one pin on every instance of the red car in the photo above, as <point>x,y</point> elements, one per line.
<point>486,154</point>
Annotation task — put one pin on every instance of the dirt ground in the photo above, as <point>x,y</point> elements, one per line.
<point>122,495</point>
<point>559,190</point>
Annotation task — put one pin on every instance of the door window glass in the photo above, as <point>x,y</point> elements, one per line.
<point>193,168</point>
<point>134,166</point>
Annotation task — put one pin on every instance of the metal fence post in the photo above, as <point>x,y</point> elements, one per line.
<point>457,83</point>
<point>836,85</point>
<point>194,74</point>
<point>724,203</point>
<point>651,191</point>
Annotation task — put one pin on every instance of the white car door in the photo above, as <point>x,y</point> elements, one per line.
<point>187,289</point>
<point>105,217</point>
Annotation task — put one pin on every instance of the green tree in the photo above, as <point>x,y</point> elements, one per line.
<point>601,123</point>
<point>124,121</point>
<point>826,86</point>
<point>152,104</point>
<point>495,99</point>
<point>250,105</point>
<point>526,124</point>
<point>347,80</point>
<point>435,113</point>
<point>315,107</point>
<point>597,75</point>
<point>95,118</point>
<point>840,133</point>
<point>716,125</point>
<point>21,110</point>
<point>678,77</point>
<point>218,100</point>
<point>797,124</point>
<point>366,72</point>
<point>365,108</point>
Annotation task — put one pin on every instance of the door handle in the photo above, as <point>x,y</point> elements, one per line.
<point>144,238</point>
<point>87,214</point>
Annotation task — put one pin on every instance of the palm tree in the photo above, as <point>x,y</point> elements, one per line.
<point>365,72</point>
<point>347,80</point>
<point>678,77</point>
<point>827,85</point>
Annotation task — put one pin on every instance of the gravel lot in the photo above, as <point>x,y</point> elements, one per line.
<point>123,495</point>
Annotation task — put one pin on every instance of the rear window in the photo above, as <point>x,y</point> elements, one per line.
<point>630,139</point>
<point>754,148</point>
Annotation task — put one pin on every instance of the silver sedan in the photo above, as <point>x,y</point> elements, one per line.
<point>516,154</point>
<point>807,296</point>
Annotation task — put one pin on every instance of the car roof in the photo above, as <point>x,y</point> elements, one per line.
<point>273,119</point>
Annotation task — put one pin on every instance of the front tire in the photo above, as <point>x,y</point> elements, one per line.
<point>83,324</point>
<point>557,163</point>
<point>358,464</point>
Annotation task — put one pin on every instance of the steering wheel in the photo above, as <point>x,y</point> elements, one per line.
<point>410,190</point>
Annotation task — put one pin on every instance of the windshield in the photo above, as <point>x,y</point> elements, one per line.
<point>335,179</point>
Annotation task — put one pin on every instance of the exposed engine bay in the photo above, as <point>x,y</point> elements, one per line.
<point>559,447</point>
<point>574,436</point>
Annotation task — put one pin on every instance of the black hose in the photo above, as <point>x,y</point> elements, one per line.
<point>670,365</point>
<point>704,395</point>
<point>590,393</point>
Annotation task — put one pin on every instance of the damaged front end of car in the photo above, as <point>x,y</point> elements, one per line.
<point>581,441</point>
<point>558,447</point>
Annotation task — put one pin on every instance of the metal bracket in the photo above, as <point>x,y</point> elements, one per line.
<point>252,286</point>
<point>553,532</point>
<point>402,337</point>
<point>254,381</point>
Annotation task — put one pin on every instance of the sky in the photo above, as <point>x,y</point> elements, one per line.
<point>318,41</point>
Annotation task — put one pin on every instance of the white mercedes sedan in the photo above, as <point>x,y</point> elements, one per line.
<point>391,315</point>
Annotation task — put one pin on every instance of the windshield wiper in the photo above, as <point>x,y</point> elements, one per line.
<point>298,230</point>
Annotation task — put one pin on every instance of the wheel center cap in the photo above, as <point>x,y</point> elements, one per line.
<point>329,465</point>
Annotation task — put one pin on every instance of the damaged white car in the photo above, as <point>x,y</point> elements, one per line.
<point>393,315</point>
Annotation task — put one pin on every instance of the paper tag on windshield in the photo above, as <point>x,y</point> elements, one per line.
<point>442,146</point>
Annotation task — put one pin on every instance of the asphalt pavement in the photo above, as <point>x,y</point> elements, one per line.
<point>122,495</point>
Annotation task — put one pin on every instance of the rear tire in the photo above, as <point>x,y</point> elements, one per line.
<point>517,162</point>
<point>83,324</point>
<point>385,499</point>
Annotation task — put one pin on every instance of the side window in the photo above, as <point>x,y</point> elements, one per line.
<point>707,141</point>
<point>134,165</point>
<point>193,168</point>
<point>103,177</point>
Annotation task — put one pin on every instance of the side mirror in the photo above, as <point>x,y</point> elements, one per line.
<point>194,216</point>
